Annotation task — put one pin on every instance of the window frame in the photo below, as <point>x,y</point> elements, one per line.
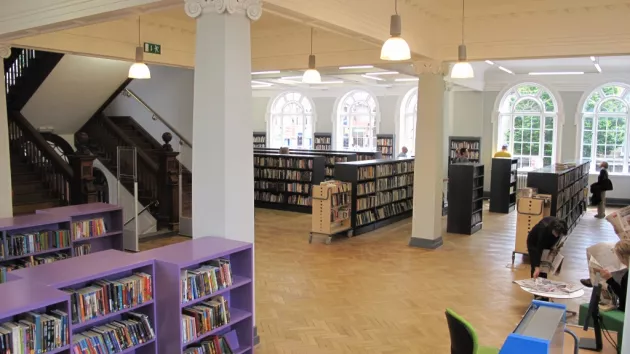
<point>339,114</point>
<point>277,112</point>
<point>408,138</point>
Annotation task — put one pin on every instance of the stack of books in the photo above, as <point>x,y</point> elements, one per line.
<point>116,336</point>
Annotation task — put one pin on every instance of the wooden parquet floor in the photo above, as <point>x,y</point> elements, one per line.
<point>374,294</point>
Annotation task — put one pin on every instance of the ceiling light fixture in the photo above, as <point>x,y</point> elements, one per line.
<point>291,77</point>
<point>330,82</point>
<point>266,72</point>
<point>139,70</point>
<point>556,73</point>
<point>395,48</point>
<point>311,76</point>
<point>372,77</point>
<point>261,86</point>
<point>383,73</point>
<point>462,69</point>
<point>599,68</point>
<point>408,79</point>
<point>592,58</point>
<point>489,62</point>
<point>356,67</point>
<point>506,70</point>
<point>261,83</point>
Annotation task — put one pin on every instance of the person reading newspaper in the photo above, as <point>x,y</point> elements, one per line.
<point>619,288</point>
<point>543,236</point>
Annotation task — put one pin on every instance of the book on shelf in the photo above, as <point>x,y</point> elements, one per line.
<point>24,244</point>
<point>103,296</point>
<point>393,209</point>
<point>29,261</point>
<point>364,173</point>
<point>88,228</point>
<point>82,250</point>
<point>35,332</point>
<point>115,336</point>
<point>282,162</point>
<point>206,280</point>
<point>366,188</point>
<point>204,317</point>
<point>213,345</point>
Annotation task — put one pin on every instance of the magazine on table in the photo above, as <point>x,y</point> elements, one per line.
<point>542,285</point>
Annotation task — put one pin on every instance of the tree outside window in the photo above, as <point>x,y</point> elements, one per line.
<point>356,122</point>
<point>605,128</point>
<point>291,121</point>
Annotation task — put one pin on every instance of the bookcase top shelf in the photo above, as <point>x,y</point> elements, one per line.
<point>23,295</point>
<point>288,156</point>
<point>33,220</point>
<point>377,162</point>
<point>81,209</point>
<point>553,170</point>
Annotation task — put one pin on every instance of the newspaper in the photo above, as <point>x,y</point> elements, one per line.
<point>620,220</point>
<point>541,285</point>
<point>602,256</point>
<point>551,262</point>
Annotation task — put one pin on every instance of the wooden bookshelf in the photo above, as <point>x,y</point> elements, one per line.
<point>260,140</point>
<point>568,188</point>
<point>285,182</point>
<point>465,198</point>
<point>332,207</point>
<point>503,185</point>
<point>386,145</point>
<point>382,191</point>
<point>322,141</point>
<point>473,144</point>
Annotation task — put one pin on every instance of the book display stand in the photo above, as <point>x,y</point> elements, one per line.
<point>323,141</point>
<point>503,185</point>
<point>465,198</point>
<point>473,144</point>
<point>332,206</point>
<point>382,191</point>
<point>260,140</point>
<point>385,144</point>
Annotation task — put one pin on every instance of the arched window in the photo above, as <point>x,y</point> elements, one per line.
<point>291,121</point>
<point>605,127</point>
<point>527,124</point>
<point>408,117</point>
<point>356,121</point>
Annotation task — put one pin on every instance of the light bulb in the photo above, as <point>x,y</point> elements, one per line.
<point>462,70</point>
<point>311,76</point>
<point>139,71</point>
<point>394,49</point>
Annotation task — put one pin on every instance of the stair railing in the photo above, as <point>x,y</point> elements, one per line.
<point>26,143</point>
<point>16,65</point>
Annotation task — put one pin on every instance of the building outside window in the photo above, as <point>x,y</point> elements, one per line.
<point>291,121</point>
<point>356,121</point>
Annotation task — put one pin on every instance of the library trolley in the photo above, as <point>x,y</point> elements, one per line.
<point>332,207</point>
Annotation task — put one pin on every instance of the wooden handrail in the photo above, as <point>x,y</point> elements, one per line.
<point>36,138</point>
<point>143,156</point>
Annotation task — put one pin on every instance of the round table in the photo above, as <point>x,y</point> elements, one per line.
<point>552,296</point>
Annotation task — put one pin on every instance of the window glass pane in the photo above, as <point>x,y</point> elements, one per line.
<point>292,123</point>
<point>361,121</point>
<point>527,105</point>
<point>528,90</point>
<point>614,106</point>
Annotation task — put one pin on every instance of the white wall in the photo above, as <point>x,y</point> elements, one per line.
<point>73,92</point>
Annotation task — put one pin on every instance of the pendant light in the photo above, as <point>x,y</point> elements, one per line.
<point>311,76</point>
<point>395,48</point>
<point>139,70</point>
<point>462,69</point>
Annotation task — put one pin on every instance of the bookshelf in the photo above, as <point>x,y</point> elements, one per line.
<point>382,191</point>
<point>285,182</point>
<point>465,198</point>
<point>473,144</point>
<point>332,158</point>
<point>568,187</point>
<point>323,141</point>
<point>332,207</point>
<point>385,144</point>
<point>360,155</point>
<point>503,185</point>
<point>260,140</point>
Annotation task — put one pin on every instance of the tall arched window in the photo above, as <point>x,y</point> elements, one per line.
<point>408,117</point>
<point>356,121</point>
<point>291,121</point>
<point>527,124</point>
<point>605,127</point>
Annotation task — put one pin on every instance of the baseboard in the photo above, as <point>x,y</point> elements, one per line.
<point>619,202</point>
<point>425,243</point>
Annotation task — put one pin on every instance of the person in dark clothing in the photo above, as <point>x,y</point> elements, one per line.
<point>543,236</point>
<point>603,184</point>
<point>622,250</point>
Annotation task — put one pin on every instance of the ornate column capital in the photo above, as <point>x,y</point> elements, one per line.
<point>250,8</point>
<point>431,67</point>
<point>5,51</point>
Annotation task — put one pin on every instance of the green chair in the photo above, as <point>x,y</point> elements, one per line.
<point>611,320</point>
<point>464,337</point>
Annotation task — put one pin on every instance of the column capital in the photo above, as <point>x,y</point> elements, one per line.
<point>431,67</point>
<point>5,51</point>
<point>250,8</point>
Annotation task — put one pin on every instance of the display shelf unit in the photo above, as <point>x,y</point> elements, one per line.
<point>360,155</point>
<point>568,188</point>
<point>503,185</point>
<point>322,141</point>
<point>285,182</point>
<point>172,260</point>
<point>473,144</point>
<point>260,140</point>
<point>332,207</point>
<point>465,198</point>
<point>386,145</point>
<point>332,158</point>
<point>382,191</point>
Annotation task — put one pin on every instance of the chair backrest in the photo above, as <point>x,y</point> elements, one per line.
<point>463,336</point>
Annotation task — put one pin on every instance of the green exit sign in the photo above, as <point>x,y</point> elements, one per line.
<point>152,48</point>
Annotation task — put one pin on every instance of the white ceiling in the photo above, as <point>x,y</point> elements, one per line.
<point>616,64</point>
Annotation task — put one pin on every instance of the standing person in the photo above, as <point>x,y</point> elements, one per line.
<point>543,236</point>
<point>504,152</point>
<point>462,156</point>
<point>604,184</point>
<point>403,152</point>
<point>620,289</point>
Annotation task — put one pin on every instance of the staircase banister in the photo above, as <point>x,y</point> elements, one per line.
<point>42,144</point>
<point>158,117</point>
<point>143,156</point>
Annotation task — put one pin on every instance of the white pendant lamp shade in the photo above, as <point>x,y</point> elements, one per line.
<point>139,70</point>
<point>395,48</point>
<point>311,76</point>
<point>462,69</point>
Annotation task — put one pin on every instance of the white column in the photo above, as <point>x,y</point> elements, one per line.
<point>223,172</point>
<point>6,195</point>
<point>429,161</point>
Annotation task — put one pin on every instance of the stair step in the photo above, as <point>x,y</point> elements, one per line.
<point>30,198</point>
<point>24,209</point>
<point>22,187</point>
<point>25,176</point>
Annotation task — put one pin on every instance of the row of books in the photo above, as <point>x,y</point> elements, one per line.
<point>339,199</point>
<point>108,296</point>
<point>332,160</point>
<point>393,196</point>
<point>572,190</point>
<point>260,139</point>
<point>204,317</point>
<point>471,145</point>
<point>567,178</point>
<point>300,200</point>
<point>323,147</point>
<point>214,345</point>
<point>394,209</point>
<point>366,203</point>
<point>386,150</point>
<point>282,186</point>
<point>23,244</point>
<point>384,142</point>
<point>30,261</point>
<point>365,217</point>
<point>206,280</point>
<point>35,333</point>
<point>476,218</point>
<point>340,214</point>
<point>394,168</point>
<point>394,182</point>
<point>336,187</point>
<point>291,175</point>
<point>366,188</point>
<point>269,197</point>
<point>286,162</point>
<point>114,337</point>
<point>88,228</point>
<point>472,155</point>
<point>260,145</point>
<point>322,140</point>
<point>82,250</point>
<point>365,173</point>
<point>330,171</point>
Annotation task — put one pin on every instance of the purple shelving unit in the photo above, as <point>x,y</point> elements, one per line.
<point>171,260</point>
<point>31,223</point>
<point>112,215</point>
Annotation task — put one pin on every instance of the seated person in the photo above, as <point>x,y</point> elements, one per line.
<point>619,288</point>
<point>604,253</point>
<point>543,236</point>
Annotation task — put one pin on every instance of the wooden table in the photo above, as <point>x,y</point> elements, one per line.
<point>568,341</point>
